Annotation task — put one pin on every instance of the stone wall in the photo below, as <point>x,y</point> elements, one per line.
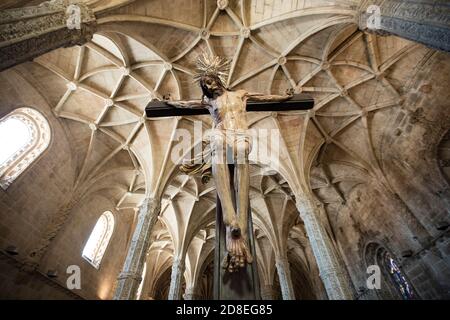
<point>376,215</point>
<point>36,196</point>
<point>20,284</point>
<point>67,248</point>
<point>28,204</point>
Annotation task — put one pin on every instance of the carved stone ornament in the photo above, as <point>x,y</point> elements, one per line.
<point>26,33</point>
<point>424,22</point>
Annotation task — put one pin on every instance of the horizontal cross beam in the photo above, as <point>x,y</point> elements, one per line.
<point>158,109</point>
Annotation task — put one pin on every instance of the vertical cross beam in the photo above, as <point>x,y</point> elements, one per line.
<point>241,285</point>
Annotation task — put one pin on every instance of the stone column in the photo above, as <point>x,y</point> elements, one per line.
<point>131,276</point>
<point>284,274</point>
<point>268,292</point>
<point>423,21</point>
<point>190,294</point>
<point>176,278</point>
<point>331,272</point>
<point>28,32</point>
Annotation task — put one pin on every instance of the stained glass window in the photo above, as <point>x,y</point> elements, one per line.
<point>24,135</point>
<point>98,240</point>
<point>398,278</point>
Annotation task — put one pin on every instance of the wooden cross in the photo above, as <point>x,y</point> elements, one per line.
<point>158,109</point>
<point>242,285</point>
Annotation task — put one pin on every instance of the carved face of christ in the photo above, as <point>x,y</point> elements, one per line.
<point>212,86</point>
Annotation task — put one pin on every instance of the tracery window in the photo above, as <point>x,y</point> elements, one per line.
<point>397,277</point>
<point>24,135</point>
<point>98,240</point>
<point>394,284</point>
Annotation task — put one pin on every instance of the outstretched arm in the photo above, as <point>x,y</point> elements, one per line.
<point>270,97</point>
<point>191,104</point>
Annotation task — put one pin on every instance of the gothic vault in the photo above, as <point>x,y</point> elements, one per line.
<point>360,180</point>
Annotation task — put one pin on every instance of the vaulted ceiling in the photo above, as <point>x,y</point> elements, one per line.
<point>147,50</point>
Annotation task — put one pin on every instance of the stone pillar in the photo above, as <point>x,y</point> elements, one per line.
<point>284,274</point>
<point>331,272</point>
<point>423,21</point>
<point>28,32</point>
<point>176,278</point>
<point>131,276</point>
<point>190,294</point>
<point>268,292</point>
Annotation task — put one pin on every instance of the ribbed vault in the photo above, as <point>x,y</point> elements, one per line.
<point>147,50</point>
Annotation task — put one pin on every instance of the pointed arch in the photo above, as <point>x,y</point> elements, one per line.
<point>25,134</point>
<point>99,239</point>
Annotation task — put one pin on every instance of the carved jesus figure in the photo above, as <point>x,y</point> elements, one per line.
<point>228,112</point>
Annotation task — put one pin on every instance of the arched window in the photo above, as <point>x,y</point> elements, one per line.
<point>394,284</point>
<point>397,277</point>
<point>24,135</point>
<point>98,240</point>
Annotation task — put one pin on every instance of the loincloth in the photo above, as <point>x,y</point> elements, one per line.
<point>235,146</point>
<point>234,140</point>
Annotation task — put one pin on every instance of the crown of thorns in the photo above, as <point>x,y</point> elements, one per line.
<point>208,65</point>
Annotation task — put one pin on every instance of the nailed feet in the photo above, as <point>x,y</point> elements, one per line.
<point>238,251</point>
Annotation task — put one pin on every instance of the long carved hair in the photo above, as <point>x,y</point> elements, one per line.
<point>205,90</point>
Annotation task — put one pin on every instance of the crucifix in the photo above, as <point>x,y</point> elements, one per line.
<point>228,110</point>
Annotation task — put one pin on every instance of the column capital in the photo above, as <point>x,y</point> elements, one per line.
<point>28,32</point>
<point>305,205</point>
<point>45,8</point>
<point>19,24</point>
<point>423,21</point>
